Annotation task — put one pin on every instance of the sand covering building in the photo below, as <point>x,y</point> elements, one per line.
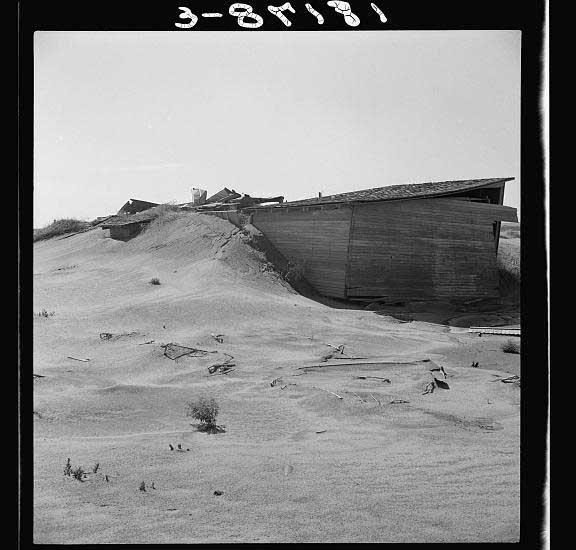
<point>435,240</point>
<point>421,241</point>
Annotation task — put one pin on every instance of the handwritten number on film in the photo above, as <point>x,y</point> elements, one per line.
<point>248,19</point>
<point>246,12</point>
<point>277,11</point>
<point>187,14</point>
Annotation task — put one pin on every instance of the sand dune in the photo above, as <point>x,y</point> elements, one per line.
<point>383,463</point>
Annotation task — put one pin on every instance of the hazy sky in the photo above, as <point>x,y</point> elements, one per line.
<point>149,115</point>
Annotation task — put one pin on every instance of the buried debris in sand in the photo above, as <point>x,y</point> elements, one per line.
<point>174,351</point>
<point>112,336</point>
<point>435,383</point>
<point>384,380</point>
<point>223,368</point>
<point>514,379</point>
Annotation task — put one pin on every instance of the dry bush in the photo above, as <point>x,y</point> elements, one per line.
<point>510,347</point>
<point>204,409</point>
<point>78,473</point>
<point>60,227</point>
<point>45,313</point>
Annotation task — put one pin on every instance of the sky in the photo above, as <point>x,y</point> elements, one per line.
<point>150,115</point>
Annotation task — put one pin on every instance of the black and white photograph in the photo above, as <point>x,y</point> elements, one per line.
<point>276,291</point>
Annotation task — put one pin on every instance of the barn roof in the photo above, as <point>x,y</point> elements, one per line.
<point>396,192</point>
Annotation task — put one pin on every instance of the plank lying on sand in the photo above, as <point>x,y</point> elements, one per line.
<point>365,363</point>
<point>508,331</point>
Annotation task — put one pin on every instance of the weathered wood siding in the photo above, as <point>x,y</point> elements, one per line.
<point>314,239</point>
<point>429,248</point>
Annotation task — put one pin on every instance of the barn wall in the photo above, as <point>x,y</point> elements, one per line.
<point>430,248</point>
<point>316,240</point>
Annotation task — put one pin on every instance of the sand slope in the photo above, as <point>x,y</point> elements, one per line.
<point>443,467</point>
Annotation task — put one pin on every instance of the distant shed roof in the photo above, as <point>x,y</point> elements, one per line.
<point>396,192</point>
<point>132,206</point>
<point>223,196</point>
<point>126,219</point>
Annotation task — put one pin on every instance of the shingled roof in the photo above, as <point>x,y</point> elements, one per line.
<point>396,192</point>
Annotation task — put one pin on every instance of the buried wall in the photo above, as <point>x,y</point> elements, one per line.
<point>424,249</point>
<point>125,232</point>
<point>439,248</point>
<point>314,240</point>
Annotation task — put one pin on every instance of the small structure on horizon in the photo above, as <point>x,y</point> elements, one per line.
<point>198,196</point>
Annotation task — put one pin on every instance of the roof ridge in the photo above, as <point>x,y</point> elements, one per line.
<point>400,191</point>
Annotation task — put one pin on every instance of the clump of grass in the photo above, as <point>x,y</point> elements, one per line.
<point>60,227</point>
<point>163,214</point>
<point>45,313</point>
<point>510,347</point>
<point>205,409</point>
<point>78,473</point>
<point>155,281</point>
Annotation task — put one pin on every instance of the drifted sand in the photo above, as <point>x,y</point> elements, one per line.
<point>443,467</point>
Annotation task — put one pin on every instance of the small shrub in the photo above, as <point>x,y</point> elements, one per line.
<point>204,409</point>
<point>78,473</point>
<point>45,313</point>
<point>68,468</point>
<point>510,347</point>
<point>155,281</point>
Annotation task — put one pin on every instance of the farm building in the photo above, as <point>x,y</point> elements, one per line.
<point>123,227</point>
<point>421,241</point>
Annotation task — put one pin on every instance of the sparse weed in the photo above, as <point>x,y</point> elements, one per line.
<point>68,468</point>
<point>510,347</point>
<point>96,466</point>
<point>78,473</point>
<point>45,313</point>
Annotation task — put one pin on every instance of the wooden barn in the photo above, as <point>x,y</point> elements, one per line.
<point>421,241</point>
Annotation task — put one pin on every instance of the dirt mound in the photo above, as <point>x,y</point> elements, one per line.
<point>111,391</point>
